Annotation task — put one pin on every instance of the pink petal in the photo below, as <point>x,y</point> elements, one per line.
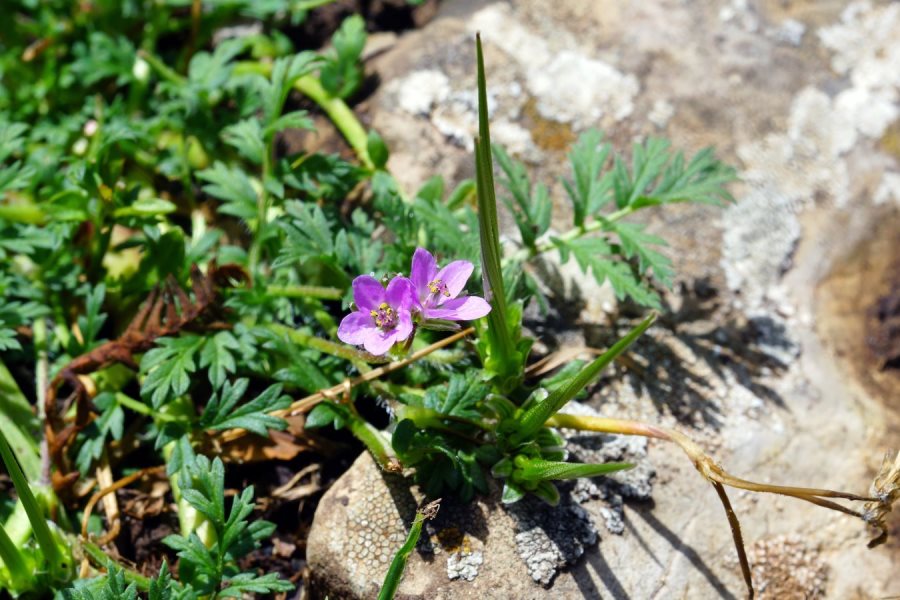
<point>404,326</point>
<point>354,327</point>
<point>378,342</point>
<point>423,270</point>
<point>368,292</point>
<point>466,308</point>
<point>401,294</point>
<point>454,276</point>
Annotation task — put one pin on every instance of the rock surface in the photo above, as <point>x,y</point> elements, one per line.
<point>761,357</point>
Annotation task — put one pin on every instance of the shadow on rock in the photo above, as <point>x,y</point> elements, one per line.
<point>696,353</point>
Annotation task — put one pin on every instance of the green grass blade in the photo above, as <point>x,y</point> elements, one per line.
<point>535,417</point>
<point>499,330</point>
<point>53,555</point>
<point>14,563</point>
<point>548,470</point>
<point>395,571</point>
<point>19,425</point>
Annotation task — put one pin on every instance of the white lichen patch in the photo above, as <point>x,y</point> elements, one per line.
<point>866,47</point>
<point>464,565</point>
<point>789,171</point>
<point>568,85</point>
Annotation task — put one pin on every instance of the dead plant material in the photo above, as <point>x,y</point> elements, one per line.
<point>294,490</point>
<point>167,311</point>
<point>115,525</point>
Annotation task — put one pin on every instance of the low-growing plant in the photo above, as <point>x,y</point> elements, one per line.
<point>177,281</point>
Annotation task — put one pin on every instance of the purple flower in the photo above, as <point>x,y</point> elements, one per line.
<point>437,290</point>
<point>382,317</point>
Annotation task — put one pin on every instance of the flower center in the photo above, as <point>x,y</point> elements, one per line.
<point>384,316</point>
<point>438,287</point>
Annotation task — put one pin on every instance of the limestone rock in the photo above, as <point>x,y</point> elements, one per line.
<point>803,98</point>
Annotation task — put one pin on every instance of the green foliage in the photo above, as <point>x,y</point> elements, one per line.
<point>213,569</point>
<point>623,253</point>
<point>342,73</point>
<point>139,145</point>
<point>223,411</point>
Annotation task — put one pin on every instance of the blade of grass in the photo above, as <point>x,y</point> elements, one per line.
<point>12,560</point>
<point>395,571</point>
<point>535,417</point>
<point>502,345</point>
<point>58,567</point>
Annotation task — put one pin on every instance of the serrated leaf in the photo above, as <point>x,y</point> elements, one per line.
<point>636,243</point>
<point>342,74</point>
<point>234,187</point>
<point>250,583</point>
<point>225,412</point>
<point>327,413</point>
<point>217,355</point>
<point>597,256</point>
<point>247,138</point>
<point>168,367</point>
<point>587,190</point>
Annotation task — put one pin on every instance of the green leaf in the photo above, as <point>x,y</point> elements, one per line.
<point>503,358</point>
<point>587,190</point>
<point>168,367</point>
<point>234,187</point>
<point>460,398</point>
<point>92,320</point>
<point>535,469</point>
<point>224,412</point>
<point>597,256</point>
<point>299,119</point>
<point>218,356</point>
<point>327,413</point>
<point>247,138</point>
<point>377,149</point>
<point>250,583</point>
<point>658,177</point>
<point>285,72</point>
<point>512,492</point>
<point>531,207</point>
<point>308,233</point>
<point>636,243</point>
<point>342,74</point>
<point>532,420</point>
<point>145,207</point>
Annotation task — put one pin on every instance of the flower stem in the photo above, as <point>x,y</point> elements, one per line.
<point>305,291</point>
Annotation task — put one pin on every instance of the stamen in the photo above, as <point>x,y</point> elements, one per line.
<point>384,316</point>
<point>439,287</point>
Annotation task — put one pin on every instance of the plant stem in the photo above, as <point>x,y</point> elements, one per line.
<point>42,378</point>
<point>340,114</point>
<point>398,564</point>
<point>375,442</point>
<point>576,232</point>
<point>336,109</point>
<point>305,291</point>
<point>316,343</point>
<point>102,559</point>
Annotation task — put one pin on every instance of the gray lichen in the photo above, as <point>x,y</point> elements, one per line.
<point>550,538</point>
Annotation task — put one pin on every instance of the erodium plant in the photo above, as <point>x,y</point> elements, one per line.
<point>179,280</point>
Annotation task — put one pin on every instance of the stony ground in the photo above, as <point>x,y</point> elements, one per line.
<point>763,355</point>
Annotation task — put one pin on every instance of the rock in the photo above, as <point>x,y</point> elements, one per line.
<point>803,98</point>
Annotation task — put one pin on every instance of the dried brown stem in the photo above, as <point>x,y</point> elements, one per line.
<point>736,535</point>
